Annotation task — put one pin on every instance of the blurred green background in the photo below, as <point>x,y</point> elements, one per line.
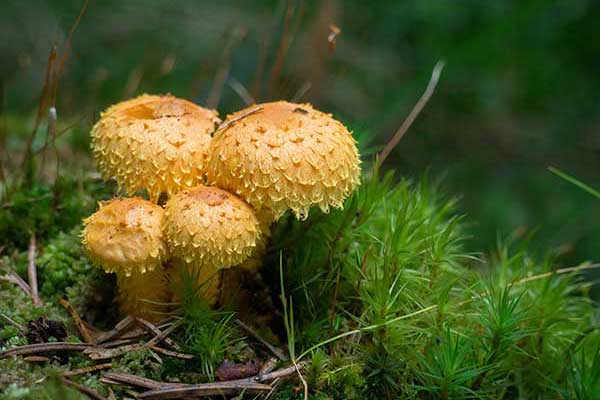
<point>520,91</point>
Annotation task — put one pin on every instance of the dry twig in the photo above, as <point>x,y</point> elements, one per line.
<point>111,394</point>
<point>43,348</point>
<point>231,121</point>
<point>102,353</point>
<point>533,278</point>
<point>20,327</point>
<point>83,389</point>
<point>435,76</point>
<point>280,373</point>
<point>85,370</point>
<point>171,390</point>
<point>13,277</point>
<point>301,379</point>
<point>206,389</point>
<point>32,272</point>
<point>559,271</point>
<point>36,359</point>
<point>108,381</point>
<point>85,334</point>
<point>138,381</point>
<point>119,342</point>
<point>163,335</point>
<point>117,330</point>
<point>153,329</point>
<point>171,353</point>
<point>268,366</point>
<point>250,385</point>
<point>277,352</point>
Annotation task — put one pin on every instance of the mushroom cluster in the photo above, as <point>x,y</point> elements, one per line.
<point>214,190</point>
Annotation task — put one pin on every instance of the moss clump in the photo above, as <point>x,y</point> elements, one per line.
<point>17,307</point>
<point>62,264</point>
<point>140,362</point>
<point>46,209</point>
<point>383,301</point>
<point>390,278</point>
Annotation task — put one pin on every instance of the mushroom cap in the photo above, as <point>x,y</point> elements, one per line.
<point>285,156</point>
<point>210,229</point>
<point>156,143</point>
<point>124,236</point>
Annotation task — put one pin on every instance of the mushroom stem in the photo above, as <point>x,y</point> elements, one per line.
<point>207,230</point>
<point>124,237</point>
<point>144,294</point>
<point>203,282</point>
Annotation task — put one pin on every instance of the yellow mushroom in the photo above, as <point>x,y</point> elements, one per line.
<point>285,156</point>
<point>124,236</point>
<point>156,143</point>
<point>208,229</point>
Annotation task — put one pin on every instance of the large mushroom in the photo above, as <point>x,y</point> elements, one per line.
<point>208,229</point>
<point>124,236</point>
<point>156,143</point>
<point>284,156</point>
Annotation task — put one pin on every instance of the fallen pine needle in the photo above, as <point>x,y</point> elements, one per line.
<point>102,353</point>
<point>36,359</point>
<point>171,353</point>
<point>153,329</point>
<point>138,381</point>
<point>206,389</point>
<point>43,348</point>
<point>117,330</point>
<point>86,370</point>
<point>83,389</point>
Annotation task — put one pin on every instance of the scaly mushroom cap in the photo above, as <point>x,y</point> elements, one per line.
<point>124,236</point>
<point>285,156</point>
<point>209,229</point>
<point>156,143</point>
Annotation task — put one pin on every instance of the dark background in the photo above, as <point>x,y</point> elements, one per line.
<point>520,91</point>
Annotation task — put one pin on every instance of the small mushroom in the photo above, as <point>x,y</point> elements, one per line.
<point>285,156</point>
<point>208,229</point>
<point>156,143</point>
<point>124,236</point>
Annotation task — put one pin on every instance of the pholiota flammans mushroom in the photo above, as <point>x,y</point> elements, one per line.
<point>124,236</point>
<point>208,229</point>
<point>285,156</point>
<point>154,143</point>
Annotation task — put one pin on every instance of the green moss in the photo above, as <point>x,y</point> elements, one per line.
<point>62,264</point>
<point>396,249</point>
<point>19,307</point>
<point>140,362</point>
<point>420,316</point>
<point>46,209</point>
<point>49,387</point>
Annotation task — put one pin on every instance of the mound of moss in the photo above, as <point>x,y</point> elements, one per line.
<point>380,300</point>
